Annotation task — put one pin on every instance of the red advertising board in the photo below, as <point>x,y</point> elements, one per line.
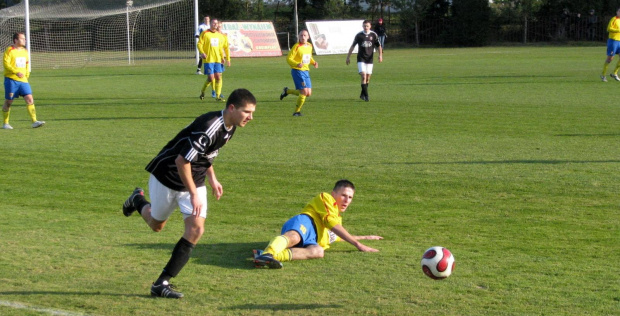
<point>251,39</point>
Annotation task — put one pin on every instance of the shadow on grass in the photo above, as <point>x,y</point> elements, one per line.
<point>118,118</point>
<point>483,162</point>
<point>96,293</point>
<point>587,135</point>
<point>282,307</point>
<point>225,255</point>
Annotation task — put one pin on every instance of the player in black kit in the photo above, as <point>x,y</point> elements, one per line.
<point>366,40</point>
<point>178,175</point>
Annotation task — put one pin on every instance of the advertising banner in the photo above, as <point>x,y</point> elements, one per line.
<point>251,39</point>
<point>333,37</point>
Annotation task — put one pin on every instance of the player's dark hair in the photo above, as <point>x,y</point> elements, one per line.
<point>366,21</point>
<point>240,98</point>
<point>16,35</point>
<point>344,183</point>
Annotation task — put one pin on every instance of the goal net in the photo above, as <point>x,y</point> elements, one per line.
<point>80,33</point>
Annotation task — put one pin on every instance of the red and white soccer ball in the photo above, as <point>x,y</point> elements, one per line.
<point>437,263</point>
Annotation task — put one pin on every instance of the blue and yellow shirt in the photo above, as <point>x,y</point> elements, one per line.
<point>300,54</point>
<point>614,28</point>
<point>15,61</point>
<point>325,214</point>
<point>211,43</point>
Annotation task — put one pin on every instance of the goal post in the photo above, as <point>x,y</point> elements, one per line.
<point>80,33</point>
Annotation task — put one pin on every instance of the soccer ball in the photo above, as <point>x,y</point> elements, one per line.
<point>437,263</point>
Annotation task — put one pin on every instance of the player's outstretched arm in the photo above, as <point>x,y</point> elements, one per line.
<point>368,237</point>
<point>344,234</point>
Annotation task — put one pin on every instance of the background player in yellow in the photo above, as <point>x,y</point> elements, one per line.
<point>613,46</point>
<point>225,57</point>
<point>299,57</point>
<point>211,45</point>
<point>307,235</point>
<point>16,74</point>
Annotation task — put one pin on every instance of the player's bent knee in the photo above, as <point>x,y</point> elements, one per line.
<point>157,227</point>
<point>318,255</point>
<point>317,252</point>
<point>195,232</point>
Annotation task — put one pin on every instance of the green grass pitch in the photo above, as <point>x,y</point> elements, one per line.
<point>509,157</point>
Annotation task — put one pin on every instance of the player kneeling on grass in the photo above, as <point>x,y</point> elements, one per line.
<point>308,234</point>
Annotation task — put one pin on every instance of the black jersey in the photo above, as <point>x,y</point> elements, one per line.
<point>366,46</point>
<point>198,143</point>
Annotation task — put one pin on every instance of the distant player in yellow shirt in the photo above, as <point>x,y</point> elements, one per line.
<point>613,46</point>
<point>226,47</point>
<point>299,57</point>
<point>16,74</point>
<point>307,235</point>
<point>211,47</point>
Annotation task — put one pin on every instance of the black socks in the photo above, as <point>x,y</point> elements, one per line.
<point>180,256</point>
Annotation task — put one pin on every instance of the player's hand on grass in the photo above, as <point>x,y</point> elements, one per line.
<point>365,248</point>
<point>316,64</point>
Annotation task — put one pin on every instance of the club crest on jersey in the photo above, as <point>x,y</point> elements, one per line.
<point>201,142</point>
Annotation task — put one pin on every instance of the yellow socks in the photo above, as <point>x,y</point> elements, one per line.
<point>217,94</point>
<point>5,116</point>
<point>300,102</point>
<point>285,255</point>
<point>605,69</point>
<point>617,67</point>
<point>277,245</point>
<point>204,87</point>
<point>300,99</point>
<point>218,87</point>
<point>32,112</point>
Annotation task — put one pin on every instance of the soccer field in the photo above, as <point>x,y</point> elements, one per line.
<point>509,157</point>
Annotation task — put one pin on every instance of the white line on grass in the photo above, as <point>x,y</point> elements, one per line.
<point>50,311</point>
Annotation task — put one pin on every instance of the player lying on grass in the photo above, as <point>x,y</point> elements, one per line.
<point>307,235</point>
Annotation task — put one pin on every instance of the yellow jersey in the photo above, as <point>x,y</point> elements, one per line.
<point>614,28</point>
<point>211,44</point>
<point>16,60</point>
<point>325,215</point>
<point>300,54</point>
